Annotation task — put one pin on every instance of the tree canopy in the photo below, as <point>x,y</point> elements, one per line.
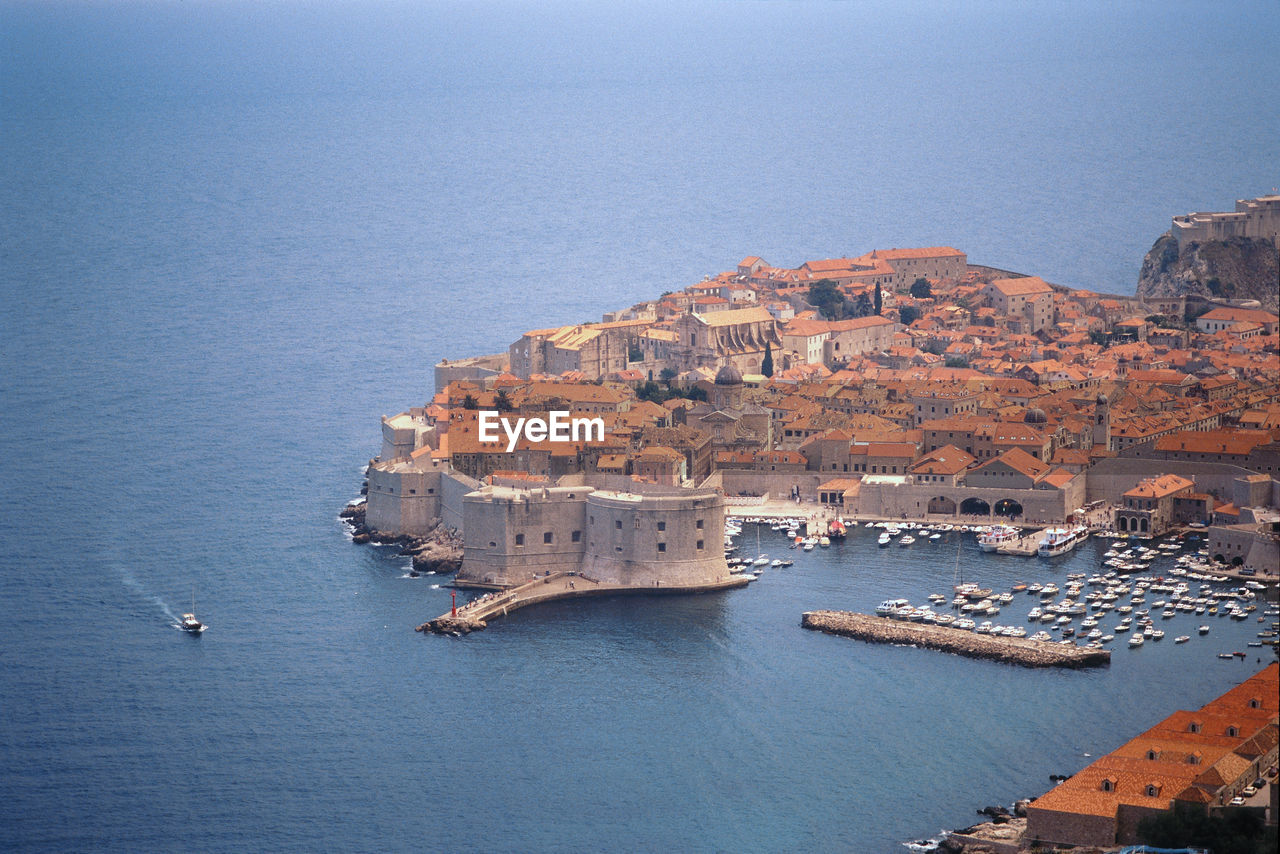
<point>921,289</point>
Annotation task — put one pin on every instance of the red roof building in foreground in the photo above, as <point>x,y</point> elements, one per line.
<point>1201,758</point>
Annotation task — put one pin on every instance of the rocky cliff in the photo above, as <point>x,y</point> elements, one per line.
<point>1238,268</point>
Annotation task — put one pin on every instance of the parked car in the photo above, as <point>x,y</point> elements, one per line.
<point>1237,802</point>
<point>1249,791</point>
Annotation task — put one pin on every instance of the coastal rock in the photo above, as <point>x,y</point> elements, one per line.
<point>1238,268</point>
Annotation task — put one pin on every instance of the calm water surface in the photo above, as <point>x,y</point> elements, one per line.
<point>235,234</point>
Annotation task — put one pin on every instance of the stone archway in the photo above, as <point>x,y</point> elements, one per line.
<point>942,504</point>
<point>1008,507</point>
<point>975,507</point>
<point>1122,523</point>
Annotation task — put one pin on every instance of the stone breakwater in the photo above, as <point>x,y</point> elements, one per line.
<point>1027,653</point>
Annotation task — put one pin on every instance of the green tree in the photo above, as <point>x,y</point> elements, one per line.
<point>667,375</point>
<point>766,367</point>
<point>861,307</point>
<point>501,402</point>
<point>826,298</point>
<point>1232,832</point>
<point>879,300</point>
<point>1102,339</point>
<point>956,362</point>
<point>634,353</point>
<point>908,314</point>
<point>921,289</point>
<point>470,402</point>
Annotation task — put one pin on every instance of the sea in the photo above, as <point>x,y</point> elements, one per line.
<point>234,234</point>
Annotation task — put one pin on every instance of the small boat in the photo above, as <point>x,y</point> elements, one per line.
<point>1137,640</point>
<point>189,623</point>
<point>1204,630</point>
<point>907,540</point>
<point>1182,638</point>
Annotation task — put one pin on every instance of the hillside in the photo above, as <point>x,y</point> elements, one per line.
<point>1238,268</point>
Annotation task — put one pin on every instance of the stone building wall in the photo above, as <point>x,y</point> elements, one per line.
<point>1051,826</point>
<point>650,540</point>
<point>656,541</point>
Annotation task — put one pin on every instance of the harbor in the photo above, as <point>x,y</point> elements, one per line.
<point>1010,650</point>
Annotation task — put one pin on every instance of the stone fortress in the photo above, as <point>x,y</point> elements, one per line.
<point>1257,218</point>
<point>612,530</point>
<point>665,537</point>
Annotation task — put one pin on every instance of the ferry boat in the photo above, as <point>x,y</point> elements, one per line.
<point>1057,541</point>
<point>998,536</point>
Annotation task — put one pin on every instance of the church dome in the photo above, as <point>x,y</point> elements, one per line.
<point>1102,398</point>
<point>1034,416</point>
<point>729,375</point>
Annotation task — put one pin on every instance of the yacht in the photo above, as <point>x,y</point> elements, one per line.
<point>1057,541</point>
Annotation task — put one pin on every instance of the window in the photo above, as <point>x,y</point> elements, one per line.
<point>577,536</point>
<point>1153,754</point>
<point>1194,726</point>
<point>1255,703</point>
<point>699,545</point>
<point>662,547</point>
<point>617,523</point>
<point>1108,785</point>
<point>1153,791</point>
<point>662,526</point>
<point>699,524</point>
<point>519,539</point>
<point>1233,731</point>
<point>413,492</point>
<point>546,537</point>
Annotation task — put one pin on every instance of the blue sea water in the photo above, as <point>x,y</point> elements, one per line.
<point>235,233</point>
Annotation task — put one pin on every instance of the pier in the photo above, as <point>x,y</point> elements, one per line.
<point>1027,653</point>
<point>1026,545</point>
<point>475,615</point>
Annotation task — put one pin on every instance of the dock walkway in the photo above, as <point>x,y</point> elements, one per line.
<point>1027,653</point>
<point>475,615</point>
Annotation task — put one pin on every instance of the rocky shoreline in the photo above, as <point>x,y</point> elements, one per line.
<point>439,552</point>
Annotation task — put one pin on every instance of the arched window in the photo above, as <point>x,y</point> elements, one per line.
<point>1153,754</point>
<point>1255,703</point>
<point>1108,785</point>
<point>1153,791</point>
<point>1233,731</point>
<point>1123,523</point>
<point>1143,523</point>
<point>1194,726</point>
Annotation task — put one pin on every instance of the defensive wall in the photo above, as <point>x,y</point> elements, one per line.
<point>622,538</point>
<point>1110,478</point>
<point>889,496</point>
<point>411,496</point>
<point>776,484</point>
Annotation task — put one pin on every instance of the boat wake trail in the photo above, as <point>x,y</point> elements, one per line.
<point>133,585</point>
